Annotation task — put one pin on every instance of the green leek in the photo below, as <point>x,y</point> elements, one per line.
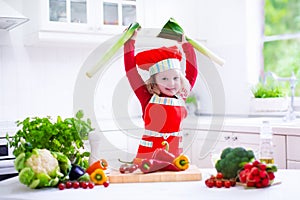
<point>112,51</point>
<point>172,30</point>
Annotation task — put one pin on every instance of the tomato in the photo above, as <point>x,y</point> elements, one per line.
<point>91,185</point>
<point>212,177</point>
<point>209,183</point>
<point>219,175</point>
<point>219,183</point>
<point>76,184</point>
<point>227,184</point>
<point>83,184</point>
<point>233,182</point>
<point>61,186</point>
<point>106,184</point>
<point>68,184</point>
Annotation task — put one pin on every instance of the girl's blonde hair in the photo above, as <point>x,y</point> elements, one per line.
<point>183,92</point>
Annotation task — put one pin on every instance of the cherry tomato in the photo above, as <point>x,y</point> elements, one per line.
<point>219,175</point>
<point>219,183</point>
<point>76,184</point>
<point>68,184</point>
<point>83,184</point>
<point>106,184</point>
<point>91,185</point>
<point>61,186</point>
<point>233,182</point>
<point>209,183</point>
<point>227,184</point>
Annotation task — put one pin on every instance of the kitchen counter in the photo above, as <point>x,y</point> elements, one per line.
<point>288,189</point>
<point>215,123</point>
<point>244,124</point>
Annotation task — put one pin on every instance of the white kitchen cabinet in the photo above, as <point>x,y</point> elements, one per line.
<point>77,20</point>
<point>204,155</point>
<point>293,156</point>
<point>293,164</point>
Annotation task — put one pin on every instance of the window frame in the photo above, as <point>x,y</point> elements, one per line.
<point>280,37</point>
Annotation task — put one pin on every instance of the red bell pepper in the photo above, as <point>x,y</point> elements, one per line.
<point>163,155</point>
<point>153,165</point>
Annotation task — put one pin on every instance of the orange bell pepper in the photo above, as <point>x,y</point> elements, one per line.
<point>99,164</point>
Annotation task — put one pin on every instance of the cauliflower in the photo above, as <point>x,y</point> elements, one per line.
<point>43,162</point>
<point>42,168</point>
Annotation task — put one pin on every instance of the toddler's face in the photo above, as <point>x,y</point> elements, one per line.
<point>169,82</point>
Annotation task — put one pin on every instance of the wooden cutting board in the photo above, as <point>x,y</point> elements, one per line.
<point>191,174</point>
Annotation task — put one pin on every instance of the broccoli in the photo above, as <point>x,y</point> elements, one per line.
<point>42,168</point>
<point>232,160</point>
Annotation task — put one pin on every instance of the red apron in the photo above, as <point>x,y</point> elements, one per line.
<point>162,117</point>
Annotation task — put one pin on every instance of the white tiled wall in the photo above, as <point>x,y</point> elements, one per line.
<point>38,81</point>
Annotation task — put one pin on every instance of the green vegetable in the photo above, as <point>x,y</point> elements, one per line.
<point>112,51</point>
<point>40,168</point>
<point>232,160</point>
<point>172,30</point>
<point>268,91</point>
<point>64,136</point>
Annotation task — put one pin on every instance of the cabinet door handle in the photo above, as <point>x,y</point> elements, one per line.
<point>226,137</point>
<point>234,138</point>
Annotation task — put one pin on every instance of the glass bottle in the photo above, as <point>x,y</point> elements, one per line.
<point>266,154</point>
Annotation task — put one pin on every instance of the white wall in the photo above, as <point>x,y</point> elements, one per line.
<point>37,80</point>
<point>232,30</point>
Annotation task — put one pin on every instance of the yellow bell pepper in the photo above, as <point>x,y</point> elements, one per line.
<point>182,162</point>
<point>98,177</point>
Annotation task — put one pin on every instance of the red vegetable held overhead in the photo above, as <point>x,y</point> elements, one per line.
<point>153,165</point>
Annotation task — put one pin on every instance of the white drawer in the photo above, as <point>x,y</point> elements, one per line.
<point>293,148</point>
<point>293,164</point>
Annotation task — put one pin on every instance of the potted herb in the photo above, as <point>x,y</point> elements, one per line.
<point>269,98</point>
<point>66,136</point>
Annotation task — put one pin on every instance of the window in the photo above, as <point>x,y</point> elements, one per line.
<point>74,11</point>
<point>281,49</point>
<point>117,12</point>
<point>101,12</point>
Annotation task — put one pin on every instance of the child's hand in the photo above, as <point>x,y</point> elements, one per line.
<point>184,93</point>
<point>183,39</point>
<point>133,37</point>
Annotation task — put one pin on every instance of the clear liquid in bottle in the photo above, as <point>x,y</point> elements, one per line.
<point>266,152</point>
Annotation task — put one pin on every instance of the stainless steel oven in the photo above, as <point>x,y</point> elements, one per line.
<point>6,153</point>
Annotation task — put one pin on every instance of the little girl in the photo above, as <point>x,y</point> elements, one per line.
<point>163,95</point>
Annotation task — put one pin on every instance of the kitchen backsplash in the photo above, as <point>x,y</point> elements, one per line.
<point>38,80</point>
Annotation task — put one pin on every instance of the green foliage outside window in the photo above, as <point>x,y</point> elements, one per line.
<point>282,56</point>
